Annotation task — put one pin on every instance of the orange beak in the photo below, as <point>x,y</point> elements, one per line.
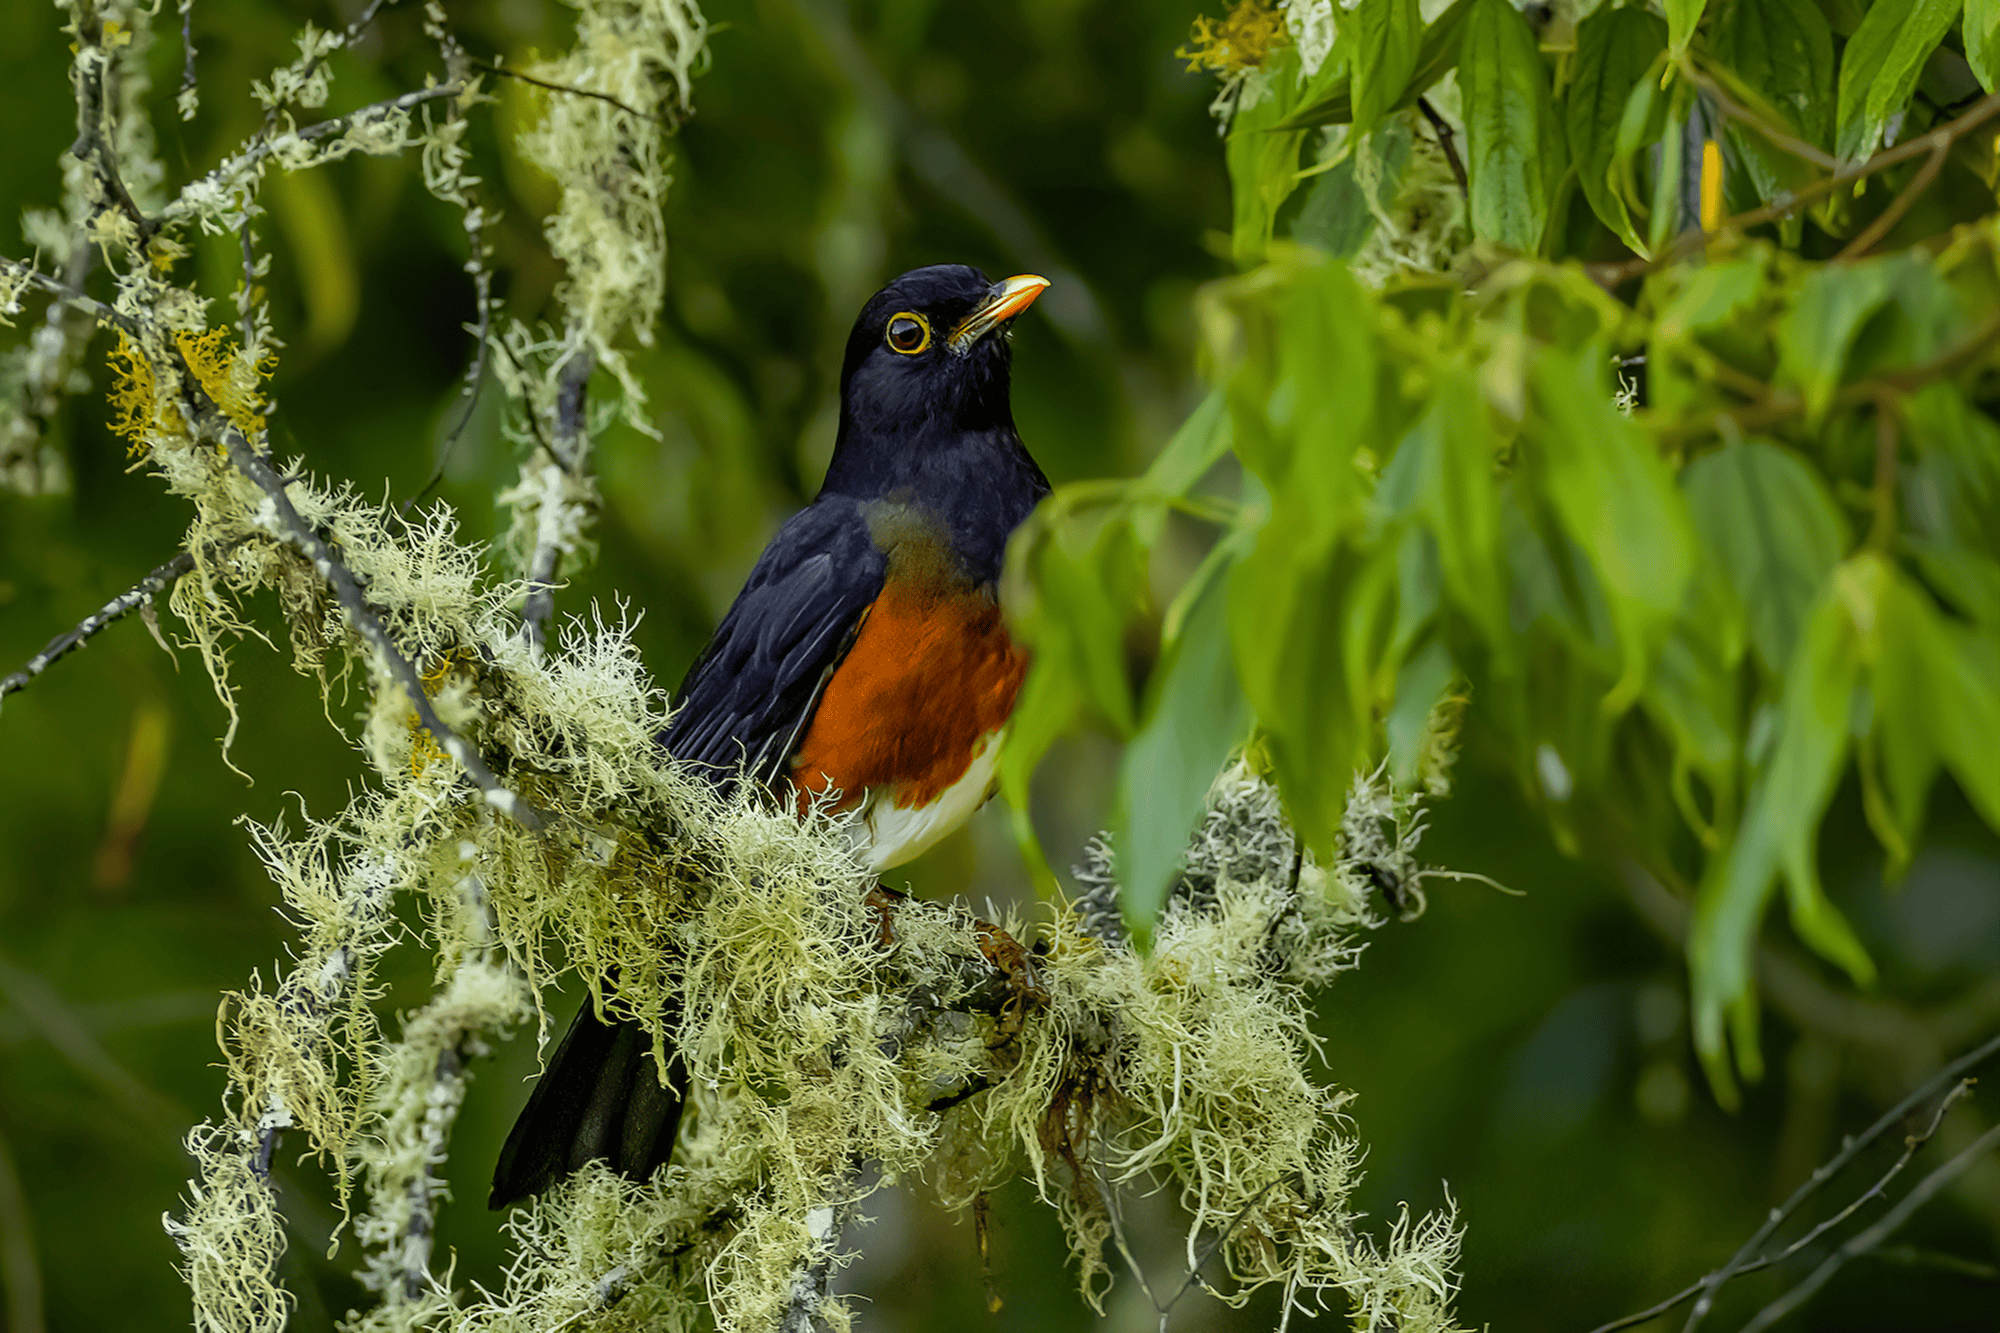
<point>1007,299</point>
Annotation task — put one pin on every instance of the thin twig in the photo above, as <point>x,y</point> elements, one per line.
<point>1923,1192</point>
<point>626,107</point>
<point>1873,1192</point>
<point>1782,406</point>
<point>1742,115</point>
<point>1849,1151</point>
<point>1902,204</point>
<point>1612,276</point>
<point>70,296</point>
<point>261,147</point>
<point>92,145</point>
<point>1445,140</point>
<point>123,604</point>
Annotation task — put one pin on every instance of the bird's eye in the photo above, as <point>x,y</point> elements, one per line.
<point>909,333</point>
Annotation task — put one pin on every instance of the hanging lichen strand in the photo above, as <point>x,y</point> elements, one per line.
<point>838,1041</point>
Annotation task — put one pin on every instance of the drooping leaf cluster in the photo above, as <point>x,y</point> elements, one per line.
<point>1659,437</point>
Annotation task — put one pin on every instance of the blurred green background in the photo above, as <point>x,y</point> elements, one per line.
<point>1528,1056</point>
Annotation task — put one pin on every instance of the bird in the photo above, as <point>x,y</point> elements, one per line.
<point>865,666</point>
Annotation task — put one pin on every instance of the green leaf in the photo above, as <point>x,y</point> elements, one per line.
<point>1263,165</point>
<point>1615,49</point>
<point>1452,451</point>
<point>1682,16</point>
<point>1817,333</point>
<point>1981,28</point>
<point>1287,614</point>
<point>1196,447</point>
<point>1437,54</point>
<point>1776,535</point>
<point>1302,388</point>
<point>1419,686</point>
<point>1195,716</point>
<point>1781,823</point>
<point>1879,68</point>
<point>1384,37</point>
<point>1514,143</point>
<point>1784,50</point>
<point>1618,502</point>
<point>1337,214</point>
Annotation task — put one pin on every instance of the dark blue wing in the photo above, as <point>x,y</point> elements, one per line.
<point>749,696</point>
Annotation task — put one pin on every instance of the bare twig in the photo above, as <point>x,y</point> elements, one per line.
<point>1742,115</point>
<point>1923,1192</point>
<point>283,522</point>
<point>1943,137</point>
<point>123,604</point>
<point>626,107</point>
<point>1758,1265</point>
<point>1446,141</point>
<point>1902,203</point>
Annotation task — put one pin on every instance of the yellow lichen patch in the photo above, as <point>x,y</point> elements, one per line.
<point>230,379</point>
<point>1239,42</point>
<point>134,399</point>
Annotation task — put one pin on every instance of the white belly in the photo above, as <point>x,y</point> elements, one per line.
<point>886,837</point>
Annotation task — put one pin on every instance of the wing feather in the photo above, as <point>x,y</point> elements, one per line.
<point>750,695</point>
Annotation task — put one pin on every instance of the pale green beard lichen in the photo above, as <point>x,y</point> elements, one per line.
<point>836,1044</point>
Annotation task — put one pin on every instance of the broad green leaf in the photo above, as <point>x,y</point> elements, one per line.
<point>1781,824</point>
<point>1263,164</point>
<point>1514,141</point>
<point>1817,333</point>
<point>1459,498</point>
<point>1954,486</point>
<point>1302,387</point>
<point>1784,50</point>
<point>1693,687</point>
<point>1196,447</point>
<point>1420,685</point>
<point>1195,716</point>
<point>1286,618</point>
<point>1383,37</point>
<point>1880,65</point>
<point>1717,306</point>
<point>1965,716</point>
<point>1682,16</point>
<point>1615,49</point>
<point>1981,28</point>
<point>1049,705</point>
<point>1618,502</point>
<point>1437,54</point>
<point>1337,214</point>
<point>1775,534</point>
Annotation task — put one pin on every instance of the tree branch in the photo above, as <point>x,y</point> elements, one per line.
<point>123,604</point>
<point>1925,1190</point>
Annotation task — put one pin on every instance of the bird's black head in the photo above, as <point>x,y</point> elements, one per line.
<point>926,372</point>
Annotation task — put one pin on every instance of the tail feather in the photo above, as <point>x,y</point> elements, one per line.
<point>600,1097</point>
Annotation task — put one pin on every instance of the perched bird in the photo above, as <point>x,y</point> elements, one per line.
<point>866,655</point>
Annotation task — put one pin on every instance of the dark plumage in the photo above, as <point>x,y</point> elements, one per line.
<point>927,481</point>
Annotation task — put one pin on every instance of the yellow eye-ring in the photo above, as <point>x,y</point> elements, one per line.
<point>909,332</point>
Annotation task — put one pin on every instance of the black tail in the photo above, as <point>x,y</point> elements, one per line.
<point>600,1097</point>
